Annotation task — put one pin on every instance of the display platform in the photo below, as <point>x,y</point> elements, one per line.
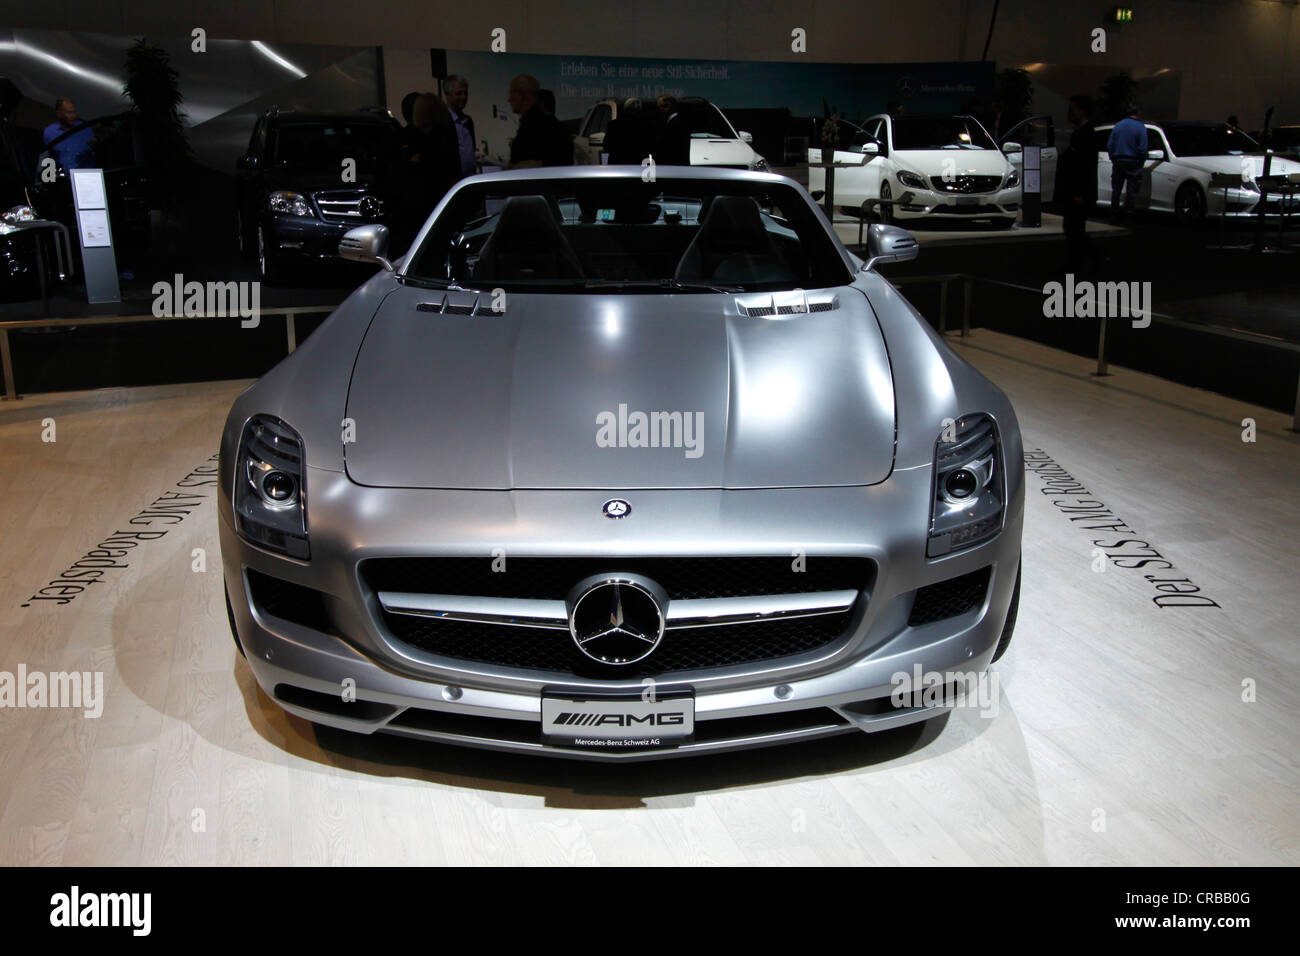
<point>938,233</point>
<point>1134,725</point>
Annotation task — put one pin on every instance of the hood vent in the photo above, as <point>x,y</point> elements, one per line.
<point>460,304</point>
<point>785,304</point>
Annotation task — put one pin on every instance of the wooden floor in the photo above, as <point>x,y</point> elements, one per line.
<point>1122,736</point>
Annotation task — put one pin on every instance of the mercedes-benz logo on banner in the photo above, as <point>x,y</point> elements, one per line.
<point>616,620</point>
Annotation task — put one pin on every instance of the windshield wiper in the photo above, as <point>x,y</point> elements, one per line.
<point>683,284</point>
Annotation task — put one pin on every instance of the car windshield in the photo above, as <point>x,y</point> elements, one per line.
<point>602,232</point>
<point>704,120</point>
<point>940,132</point>
<point>1217,140</point>
<point>325,143</point>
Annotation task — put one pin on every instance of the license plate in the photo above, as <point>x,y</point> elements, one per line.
<point>624,723</point>
<point>968,200</point>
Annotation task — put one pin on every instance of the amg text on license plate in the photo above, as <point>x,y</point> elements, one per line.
<point>616,723</point>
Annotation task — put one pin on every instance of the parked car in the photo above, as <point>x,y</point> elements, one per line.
<point>627,469</point>
<point>1182,159</point>
<point>929,165</point>
<point>714,141</point>
<point>294,201</point>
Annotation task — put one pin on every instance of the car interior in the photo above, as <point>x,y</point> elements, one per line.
<point>726,239</point>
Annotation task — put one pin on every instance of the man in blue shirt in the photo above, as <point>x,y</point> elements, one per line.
<point>1127,147</point>
<point>75,151</point>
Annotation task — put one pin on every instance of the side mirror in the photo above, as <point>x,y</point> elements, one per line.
<point>1012,148</point>
<point>889,244</point>
<point>745,137</point>
<point>871,149</point>
<point>1155,154</point>
<point>366,244</point>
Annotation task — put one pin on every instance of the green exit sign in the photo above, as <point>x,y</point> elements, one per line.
<point>1121,14</point>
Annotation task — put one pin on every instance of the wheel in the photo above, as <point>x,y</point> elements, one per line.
<point>886,211</point>
<point>230,615</point>
<point>1009,628</point>
<point>269,268</point>
<point>1189,205</point>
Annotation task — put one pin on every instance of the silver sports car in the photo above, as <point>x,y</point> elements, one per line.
<point>621,463</point>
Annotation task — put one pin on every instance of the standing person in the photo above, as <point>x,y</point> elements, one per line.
<point>76,150</point>
<point>630,137</point>
<point>455,89</point>
<point>408,103</point>
<point>429,163</point>
<point>1127,147</point>
<point>674,146</point>
<point>540,139</point>
<point>1076,182</point>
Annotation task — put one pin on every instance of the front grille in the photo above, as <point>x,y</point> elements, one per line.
<point>682,578</point>
<point>292,602</point>
<point>966,184</point>
<point>984,209</point>
<point>347,205</point>
<point>695,648</point>
<point>938,602</point>
<point>553,578</point>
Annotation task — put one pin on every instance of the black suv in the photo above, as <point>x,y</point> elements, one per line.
<point>298,195</point>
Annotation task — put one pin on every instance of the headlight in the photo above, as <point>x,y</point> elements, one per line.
<point>911,180</point>
<point>17,214</point>
<point>270,501</point>
<point>969,493</point>
<point>761,165</point>
<point>1013,179</point>
<point>284,201</point>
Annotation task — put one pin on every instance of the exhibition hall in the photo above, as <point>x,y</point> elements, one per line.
<point>658,434</point>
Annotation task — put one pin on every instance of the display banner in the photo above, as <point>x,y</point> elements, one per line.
<point>854,90</point>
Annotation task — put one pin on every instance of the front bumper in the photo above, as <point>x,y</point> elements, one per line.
<point>930,203</point>
<point>305,237</point>
<point>843,687</point>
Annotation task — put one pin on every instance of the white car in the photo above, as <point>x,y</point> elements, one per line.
<point>1195,170</point>
<point>929,165</point>
<point>714,141</point>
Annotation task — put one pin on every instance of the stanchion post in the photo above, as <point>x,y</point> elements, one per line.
<point>1103,367</point>
<point>965,309</point>
<point>290,331</point>
<point>7,366</point>
<point>943,302</point>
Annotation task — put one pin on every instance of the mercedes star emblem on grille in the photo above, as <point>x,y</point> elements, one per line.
<point>616,621</point>
<point>616,508</point>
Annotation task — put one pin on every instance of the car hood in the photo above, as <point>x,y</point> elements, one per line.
<point>310,178</point>
<point>549,393</point>
<point>1232,164</point>
<point>966,162</point>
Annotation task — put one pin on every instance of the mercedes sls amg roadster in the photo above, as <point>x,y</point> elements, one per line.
<point>620,463</point>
